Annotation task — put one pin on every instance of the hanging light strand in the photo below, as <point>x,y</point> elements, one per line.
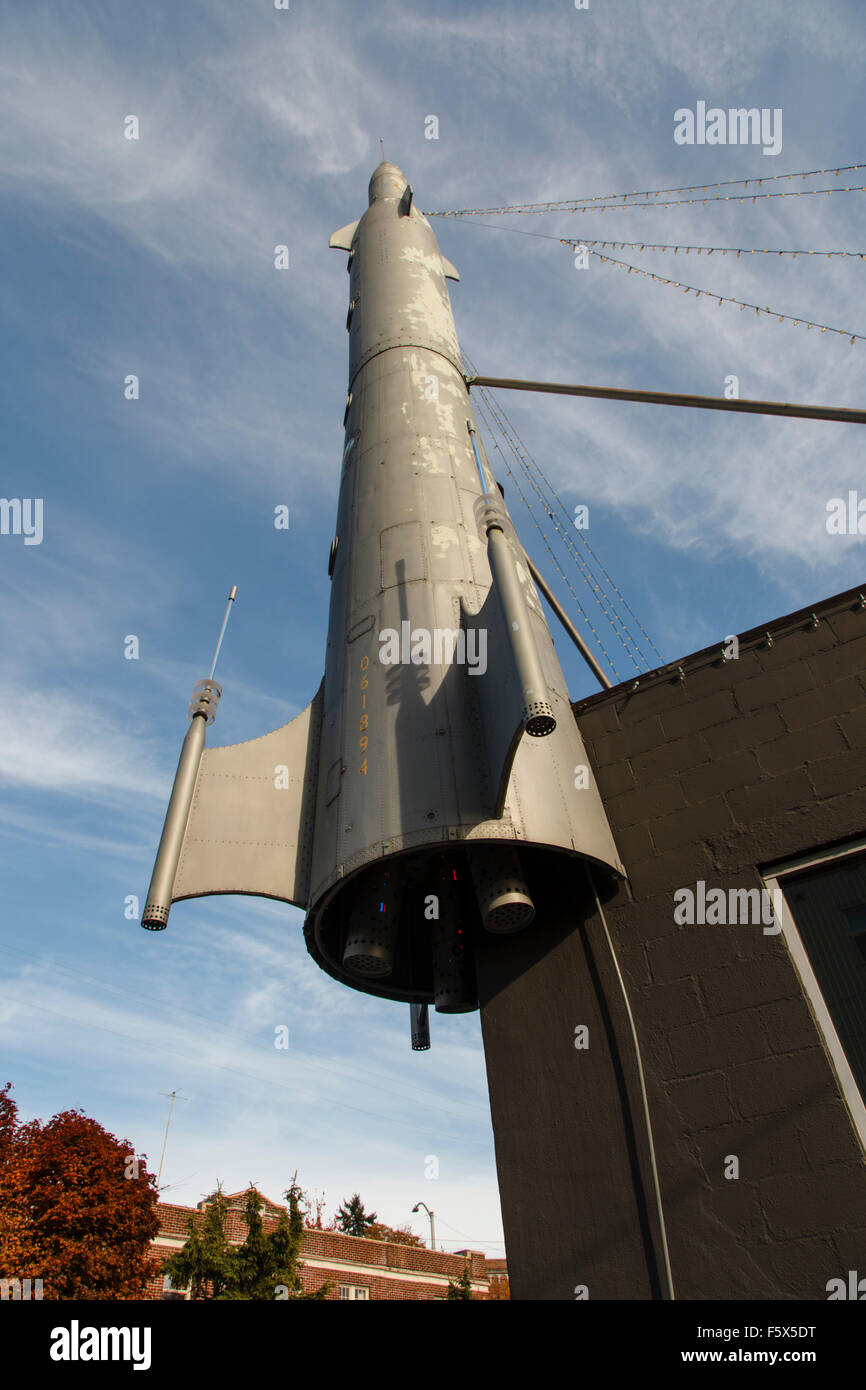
<point>720,298</point>
<point>722,250</point>
<point>584,204</point>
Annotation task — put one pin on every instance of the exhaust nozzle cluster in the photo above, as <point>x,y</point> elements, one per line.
<point>385,902</point>
<point>503,897</point>
<point>372,934</point>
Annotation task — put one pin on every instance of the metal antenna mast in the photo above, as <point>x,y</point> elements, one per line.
<point>174,1095</point>
<point>202,711</point>
<point>232,596</point>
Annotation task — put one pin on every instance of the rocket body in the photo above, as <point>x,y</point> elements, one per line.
<point>431,780</point>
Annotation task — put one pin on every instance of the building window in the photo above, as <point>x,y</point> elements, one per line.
<point>354,1291</point>
<point>170,1292</point>
<point>824,927</point>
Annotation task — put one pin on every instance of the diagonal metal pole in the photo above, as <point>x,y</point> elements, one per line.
<point>613,393</point>
<point>600,675</point>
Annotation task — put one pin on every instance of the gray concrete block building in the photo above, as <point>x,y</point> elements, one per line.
<point>735,786</point>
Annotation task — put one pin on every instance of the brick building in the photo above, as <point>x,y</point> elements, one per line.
<point>357,1268</point>
<point>744,774</point>
<point>497,1271</point>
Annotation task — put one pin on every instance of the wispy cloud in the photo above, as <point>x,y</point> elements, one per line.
<point>155,257</point>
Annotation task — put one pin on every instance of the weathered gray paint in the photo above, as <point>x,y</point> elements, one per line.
<point>447,765</point>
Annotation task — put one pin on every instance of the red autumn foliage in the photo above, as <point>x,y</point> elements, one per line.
<point>498,1287</point>
<point>69,1214</point>
<point>397,1235</point>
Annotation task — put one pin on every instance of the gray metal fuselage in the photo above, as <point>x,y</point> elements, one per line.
<point>408,762</point>
<point>438,773</point>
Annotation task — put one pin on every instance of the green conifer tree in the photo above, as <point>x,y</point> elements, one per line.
<point>352,1218</point>
<point>205,1264</point>
<point>462,1288</point>
<point>265,1266</point>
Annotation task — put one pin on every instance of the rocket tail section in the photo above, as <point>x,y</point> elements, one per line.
<point>250,824</point>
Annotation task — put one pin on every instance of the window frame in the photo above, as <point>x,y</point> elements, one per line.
<point>171,1294</point>
<point>775,876</point>
<point>352,1296</point>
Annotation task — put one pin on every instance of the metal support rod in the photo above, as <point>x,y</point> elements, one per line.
<point>487,484</point>
<point>611,393</point>
<point>572,631</point>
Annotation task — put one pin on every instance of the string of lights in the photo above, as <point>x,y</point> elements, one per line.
<point>669,203</point>
<point>582,204</point>
<point>724,298</point>
<point>723,250</point>
<point>735,251</point>
<point>590,246</point>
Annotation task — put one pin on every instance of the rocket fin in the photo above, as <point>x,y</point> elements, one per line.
<point>342,239</point>
<point>451,271</point>
<point>250,827</point>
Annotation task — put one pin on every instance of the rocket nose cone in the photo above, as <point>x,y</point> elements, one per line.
<point>387,182</point>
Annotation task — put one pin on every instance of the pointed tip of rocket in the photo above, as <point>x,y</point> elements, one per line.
<point>387,181</point>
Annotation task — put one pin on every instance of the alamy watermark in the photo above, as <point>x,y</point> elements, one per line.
<point>77,1343</point>
<point>855,1288</point>
<point>846,518</point>
<point>702,906</point>
<point>20,1289</point>
<point>736,126</point>
<point>22,516</point>
<point>440,647</point>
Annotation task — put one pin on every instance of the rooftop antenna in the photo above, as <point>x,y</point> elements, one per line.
<point>382,146</point>
<point>174,1095</point>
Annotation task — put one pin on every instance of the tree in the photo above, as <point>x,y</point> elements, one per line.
<point>294,1233</point>
<point>317,1204</point>
<point>77,1207</point>
<point>398,1235</point>
<point>265,1266</point>
<point>463,1286</point>
<point>205,1263</point>
<point>352,1218</point>
<point>499,1287</point>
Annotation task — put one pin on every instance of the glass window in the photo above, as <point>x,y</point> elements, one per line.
<point>169,1291</point>
<point>828,906</point>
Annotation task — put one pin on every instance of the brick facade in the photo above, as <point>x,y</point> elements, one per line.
<point>386,1270</point>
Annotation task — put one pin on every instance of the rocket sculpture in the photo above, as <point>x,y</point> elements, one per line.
<point>438,772</point>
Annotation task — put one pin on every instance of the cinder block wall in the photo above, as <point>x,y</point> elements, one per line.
<point>738,765</point>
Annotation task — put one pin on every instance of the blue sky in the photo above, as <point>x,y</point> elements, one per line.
<point>155,257</point>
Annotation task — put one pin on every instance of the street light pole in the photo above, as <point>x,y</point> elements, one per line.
<point>432,1225</point>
